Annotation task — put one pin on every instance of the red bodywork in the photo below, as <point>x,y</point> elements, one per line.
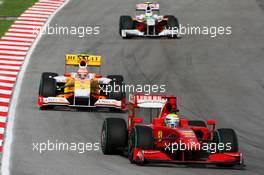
<point>165,137</point>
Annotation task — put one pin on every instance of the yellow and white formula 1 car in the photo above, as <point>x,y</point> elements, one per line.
<point>80,88</point>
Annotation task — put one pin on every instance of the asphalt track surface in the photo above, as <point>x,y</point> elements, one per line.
<point>219,78</point>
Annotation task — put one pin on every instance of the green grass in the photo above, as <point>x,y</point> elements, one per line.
<point>4,25</point>
<point>15,7</point>
<point>12,8</point>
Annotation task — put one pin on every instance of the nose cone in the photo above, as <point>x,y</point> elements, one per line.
<point>190,144</point>
<point>188,140</point>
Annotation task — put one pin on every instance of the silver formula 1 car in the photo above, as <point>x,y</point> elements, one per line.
<point>149,23</point>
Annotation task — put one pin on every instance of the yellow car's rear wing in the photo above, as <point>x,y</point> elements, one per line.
<point>75,59</point>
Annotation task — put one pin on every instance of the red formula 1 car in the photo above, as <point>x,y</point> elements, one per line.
<point>147,139</point>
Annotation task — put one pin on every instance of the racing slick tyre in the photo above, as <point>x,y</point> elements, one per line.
<point>48,75</point>
<point>116,77</point>
<point>141,137</point>
<point>116,85</point>
<point>45,75</point>
<point>125,22</point>
<point>173,23</point>
<point>113,136</point>
<point>226,136</point>
<point>199,123</point>
<point>47,87</point>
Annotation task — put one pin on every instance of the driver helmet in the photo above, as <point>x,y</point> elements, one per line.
<point>148,12</point>
<point>172,120</point>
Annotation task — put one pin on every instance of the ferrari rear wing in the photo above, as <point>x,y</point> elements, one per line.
<point>147,101</point>
<point>143,6</point>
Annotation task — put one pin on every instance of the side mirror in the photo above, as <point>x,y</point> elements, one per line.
<point>137,120</point>
<point>212,129</point>
<point>67,74</point>
<point>158,122</point>
<point>210,122</point>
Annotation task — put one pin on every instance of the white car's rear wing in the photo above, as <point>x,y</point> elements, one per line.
<point>143,6</point>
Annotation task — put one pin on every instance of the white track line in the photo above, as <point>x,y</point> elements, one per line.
<point>14,47</point>
<point>23,26</point>
<point>7,85</point>
<point>20,34</point>
<point>15,43</point>
<point>49,3</point>
<point>2,130</point>
<point>8,72</point>
<point>7,92</point>
<point>17,39</point>
<point>44,7</point>
<point>28,22</point>
<point>20,30</point>
<point>5,100</point>
<point>12,52</point>
<point>5,168</point>
<point>3,109</point>
<point>34,15</point>
<point>3,120</point>
<point>38,12</point>
<point>10,62</point>
<point>12,57</point>
<point>33,19</point>
<point>8,67</point>
<point>41,9</point>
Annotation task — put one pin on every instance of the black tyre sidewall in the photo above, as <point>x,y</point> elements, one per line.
<point>47,87</point>
<point>140,137</point>
<point>226,135</point>
<point>115,135</point>
<point>117,80</point>
<point>48,75</point>
<point>172,22</point>
<point>125,22</point>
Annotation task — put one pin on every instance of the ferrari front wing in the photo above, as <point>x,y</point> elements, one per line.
<point>155,156</point>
